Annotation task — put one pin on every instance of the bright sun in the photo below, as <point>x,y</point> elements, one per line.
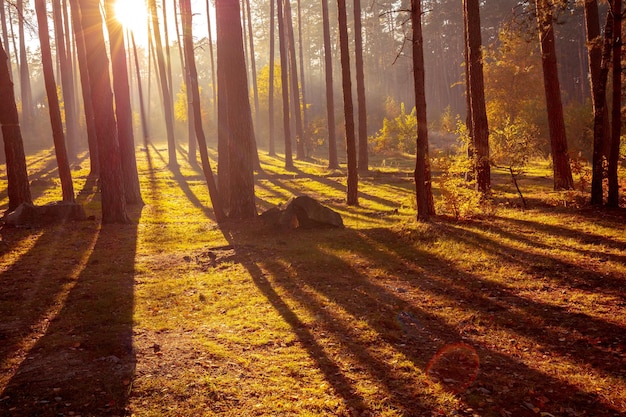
<point>132,14</point>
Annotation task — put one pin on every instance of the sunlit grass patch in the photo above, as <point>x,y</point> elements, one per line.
<point>174,316</point>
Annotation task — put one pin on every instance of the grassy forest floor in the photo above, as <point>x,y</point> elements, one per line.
<point>519,313</point>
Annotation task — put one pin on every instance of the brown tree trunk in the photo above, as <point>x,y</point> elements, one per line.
<point>360,88</point>
<point>270,98</point>
<point>476,94</point>
<point>67,81</point>
<point>168,55</point>
<point>293,77</point>
<point>616,109</point>
<point>90,122</point>
<point>305,120</point>
<point>191,130</point>
<point>111,174</point>
<point>213,78</point>
<point>17,177</point>
<point>185,8</point>
<point>123,110</point>
<point>255,89</point>
<point>240,156</point>
<point>142,106</point>
<point>166,93</point>
<point>558,141</point>
<point>333,160</point>
<point>5,34</point>
<point>28,110</point>
<point>599,57</point>
<point>423,188</point>
<point>223,165</point>
<point>348,108</point>
<point>284,74</point>
<point>65,174</point>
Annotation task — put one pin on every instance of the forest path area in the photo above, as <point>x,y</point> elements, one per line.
<point>518,313</point>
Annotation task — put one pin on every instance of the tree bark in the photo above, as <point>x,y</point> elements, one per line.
<point>616,109</point>
<point>423,187</point>
<point>563,179</point>
<point>333,161</point>
<point>67,81</point>
<point>191,130</point>
<point>270,98</point>
<point>293,77</point>
<point>255,89</point>
<point>123,110</point>
<point>185,8</point>
<point>476,94</point>
<point>65,174</point>
<point>284,76</point>
<point>305,120</point>
<point>28,110</point>
<point>348,108</point>
<point>90,122</point>
<point>5,35</point>
<point>166,93</point>
<point>360,88</point>
<point>240,156</point>
<point>599,57</point>
<point>211,56</point>
<point>142,106</point>
<point>17,176</point>
<point>111,174</point>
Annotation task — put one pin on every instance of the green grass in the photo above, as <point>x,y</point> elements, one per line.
<point>173,316</point>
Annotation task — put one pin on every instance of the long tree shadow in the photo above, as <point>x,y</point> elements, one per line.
<point>83,362</point>
<point>402,320</point>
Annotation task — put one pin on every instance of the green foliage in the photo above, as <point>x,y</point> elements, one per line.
<point>447,121</point>
<point>579,126</point>
<point>180,107</point>
<point>513,144</point>
<point>458,194</point>
<point>398,133</point>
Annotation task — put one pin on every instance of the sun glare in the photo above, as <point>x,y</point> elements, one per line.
<point>132,14</point>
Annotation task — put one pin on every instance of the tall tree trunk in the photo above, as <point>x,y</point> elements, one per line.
<point>348,108</point>
<point>616,110</point>
<point>17,176</point>
<point>241,158</point>
<point>111,174</point>
<point>333,161</point>
<point>213,78</point>
<point>423,188</point>
<point>67,80</point>
<point>599,57</point>
<point>360,88</point>
<point>81,53</point>
<point>5,34</point>
<point>558,141</point>
<point>293,76</point>
<point>166,93</point>
<point>185,8</point>
<point>270,98</point>
<point>191,132</point>
<point>142,106</point>
<point>123,110</point>
<point>65,174</point>
<point>168,55</point>
<point>28,110</point>
<point>476,94</point>
<point>255,88</point>
<point>305,120</point>
<point>284,77</point>
<point>223,163</point>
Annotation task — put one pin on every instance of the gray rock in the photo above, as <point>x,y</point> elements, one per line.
<point>28,214</point>
<point>302,212</point>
